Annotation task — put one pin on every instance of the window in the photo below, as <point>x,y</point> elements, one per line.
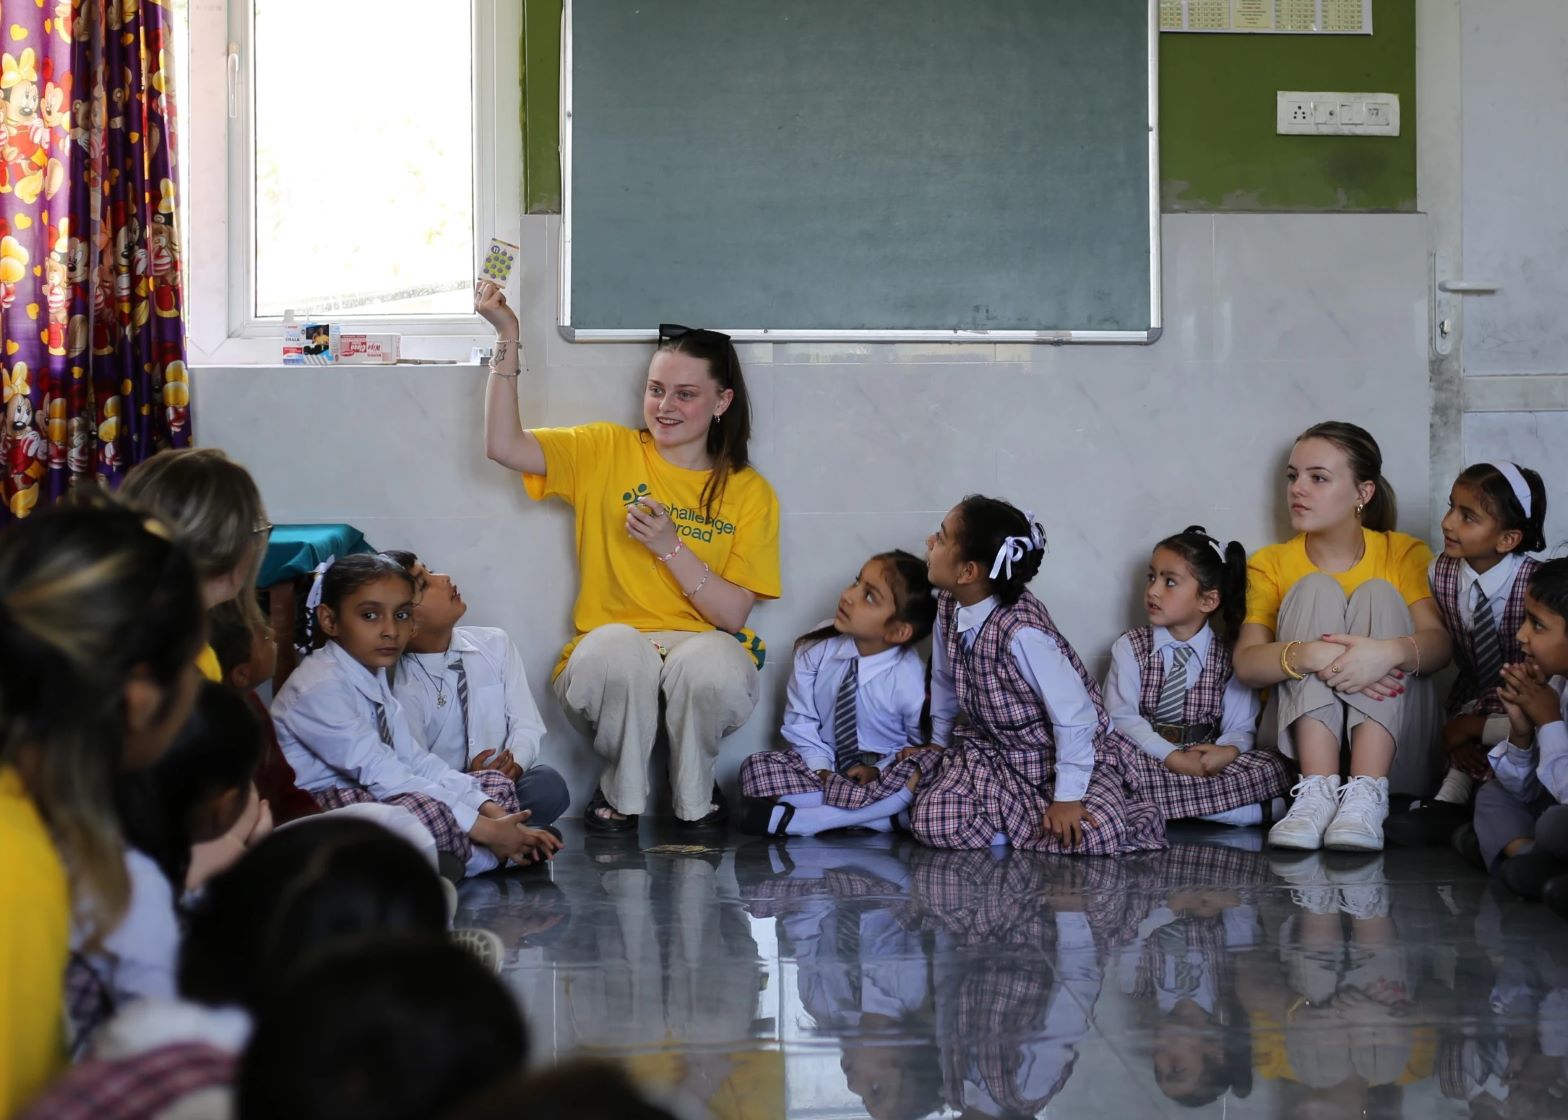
<point>346,160</point>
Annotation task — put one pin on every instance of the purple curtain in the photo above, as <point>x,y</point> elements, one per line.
<point>91,313</point>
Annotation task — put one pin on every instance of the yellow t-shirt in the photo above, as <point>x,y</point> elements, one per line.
<point>208,665</point>
<point>1395,557</point>
<point>597,469</point>
<point>35,937</point>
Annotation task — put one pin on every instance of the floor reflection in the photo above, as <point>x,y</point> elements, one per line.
<point>862,975</point>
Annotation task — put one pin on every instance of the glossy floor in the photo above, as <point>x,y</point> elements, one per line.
<point>861,974</point>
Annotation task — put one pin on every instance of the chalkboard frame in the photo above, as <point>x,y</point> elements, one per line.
<point>744,333</point>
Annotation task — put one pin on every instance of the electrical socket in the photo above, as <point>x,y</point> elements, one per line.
<point>1298,113</point>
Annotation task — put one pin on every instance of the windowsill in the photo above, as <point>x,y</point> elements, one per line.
<point>268,351</point>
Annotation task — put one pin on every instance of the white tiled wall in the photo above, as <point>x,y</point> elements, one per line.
<point>1273,322</point>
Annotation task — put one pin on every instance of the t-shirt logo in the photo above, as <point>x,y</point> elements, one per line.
<point>635,495</point>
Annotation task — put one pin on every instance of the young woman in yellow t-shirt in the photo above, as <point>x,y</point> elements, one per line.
<point>100,621</point>
<point>1341,618</point>
<point>677,538</point>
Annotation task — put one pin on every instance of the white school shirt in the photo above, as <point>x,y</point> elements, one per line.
<point>1239,706</point>
<point>1542,765</point>
<point>501,709</point>
<point>1497,584</point>
<point>1054,680</point>
<point>326,719</point>
<point>137,960</point>
<point>890,690</point>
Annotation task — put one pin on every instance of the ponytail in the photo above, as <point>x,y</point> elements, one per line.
<point>1382,512</point>
<point>1216,568</point>
<point>1008,544</point>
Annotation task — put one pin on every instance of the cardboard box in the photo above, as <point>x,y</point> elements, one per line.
<point>369,349</point>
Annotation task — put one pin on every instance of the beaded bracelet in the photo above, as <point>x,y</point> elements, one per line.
<point>706,572</point>
<point>673,553</point>
<point>1284,662</point>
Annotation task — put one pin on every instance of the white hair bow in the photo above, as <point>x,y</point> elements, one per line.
<point>1015,549</point>
<point>313,600</point>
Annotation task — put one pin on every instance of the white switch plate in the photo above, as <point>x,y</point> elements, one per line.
<point>1298,113</point>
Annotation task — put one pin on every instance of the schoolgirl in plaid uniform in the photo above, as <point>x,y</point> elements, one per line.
<point>344,734</point>
<point>1496,514</point>
<point>1035,761</point>
<point>856,696</point>
<point>1172,690</point>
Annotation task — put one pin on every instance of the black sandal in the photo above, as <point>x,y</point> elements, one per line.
<point>593,821</point>
<point>717,817</point>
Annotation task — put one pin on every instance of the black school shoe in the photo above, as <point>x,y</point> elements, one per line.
<point>1426,827</point>
<point>1527,875</point>
<point>717,818</point>
<point>1555,895</point>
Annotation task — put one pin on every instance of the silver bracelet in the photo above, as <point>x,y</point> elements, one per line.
<point>706,572</point>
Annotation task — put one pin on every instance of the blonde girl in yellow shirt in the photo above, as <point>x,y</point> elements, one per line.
<point>677,538</point>
<point>100,622</point>
<point>1341,619</point>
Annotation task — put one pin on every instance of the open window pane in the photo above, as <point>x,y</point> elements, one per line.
<point>364,158</point>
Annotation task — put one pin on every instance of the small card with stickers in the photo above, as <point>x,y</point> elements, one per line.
<point>498,262</point>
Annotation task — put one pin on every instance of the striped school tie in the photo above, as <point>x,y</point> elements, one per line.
<point>1173,692</point>
<point>846,742</point>
<point>462,694</point>
<point>1484,642</point>
<point>383,725</point>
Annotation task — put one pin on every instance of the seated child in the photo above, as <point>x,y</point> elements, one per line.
<point>380,1028</point>
<point>196,791</point>
<point>1172,690</point>
<point>855,699</point>
<point>1496,513</point>
<point>247,655</point>
<point>298,890</point>
<point>1036,763</point>
<point>1520,819</point>
<point>343,731</point>
<point>465,695</point>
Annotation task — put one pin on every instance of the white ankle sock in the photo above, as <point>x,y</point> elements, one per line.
<point>999,840</point>
<point>803,800</point>
<point>1240,817</point>
<point>480,860</point>
<point>821,818</point>
<point>1456,788</point>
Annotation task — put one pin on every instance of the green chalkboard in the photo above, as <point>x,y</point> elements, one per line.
<point>860,168</point>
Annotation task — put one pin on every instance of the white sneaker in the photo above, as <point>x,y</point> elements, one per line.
<point>1310,813</point>
<point>1363,807</point>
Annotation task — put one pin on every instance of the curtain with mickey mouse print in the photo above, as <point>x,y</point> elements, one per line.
<point>91,309</point>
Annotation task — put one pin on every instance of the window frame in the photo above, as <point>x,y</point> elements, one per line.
<point>217,143</point>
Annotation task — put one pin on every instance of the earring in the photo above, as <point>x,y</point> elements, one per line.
<point>718,417</point>
<point>1359,508</point>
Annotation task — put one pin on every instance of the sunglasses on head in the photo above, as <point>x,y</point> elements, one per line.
<point>671,332</point>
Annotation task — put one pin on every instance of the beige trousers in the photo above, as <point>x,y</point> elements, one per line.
<point>610,690</point>
<point>1315,606</point>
